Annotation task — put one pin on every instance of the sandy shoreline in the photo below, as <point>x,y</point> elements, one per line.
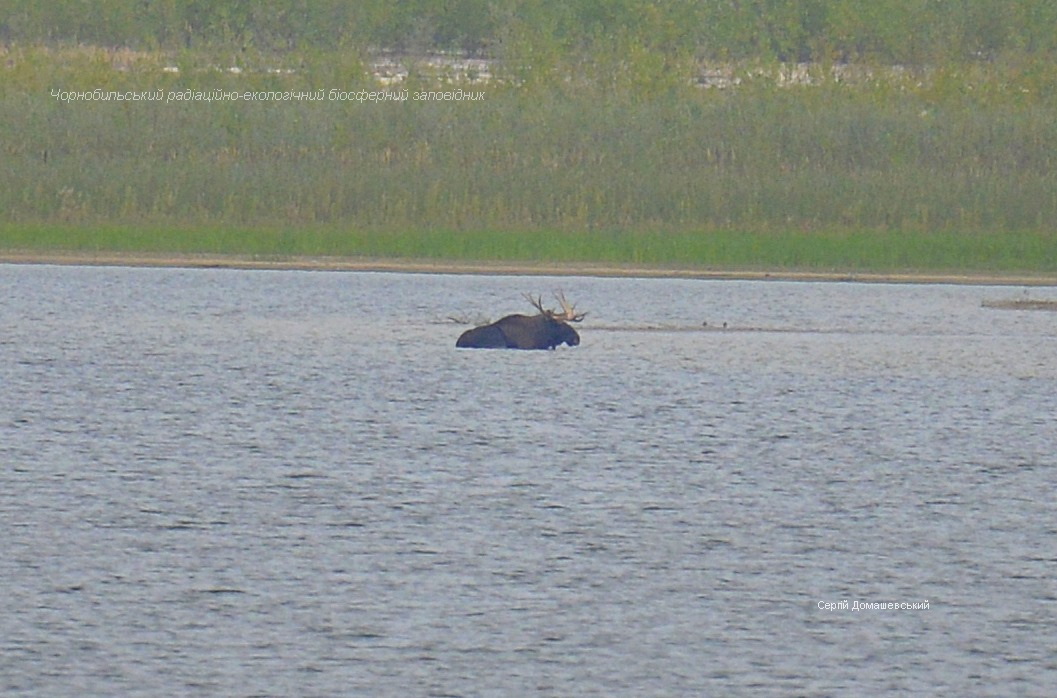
<point>419,266</point>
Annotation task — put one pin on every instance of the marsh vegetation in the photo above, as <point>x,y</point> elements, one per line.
<point>907,141</point>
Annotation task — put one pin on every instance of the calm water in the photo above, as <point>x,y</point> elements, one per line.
<point>287,483</point>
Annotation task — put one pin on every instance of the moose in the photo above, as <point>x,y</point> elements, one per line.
<point>545,330</point>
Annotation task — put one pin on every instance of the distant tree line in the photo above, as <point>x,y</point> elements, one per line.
<point>892,31</point>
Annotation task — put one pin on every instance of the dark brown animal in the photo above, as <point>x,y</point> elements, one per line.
<point>546,330</point>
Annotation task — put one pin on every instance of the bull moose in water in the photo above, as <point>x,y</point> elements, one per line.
<point>545,330</point>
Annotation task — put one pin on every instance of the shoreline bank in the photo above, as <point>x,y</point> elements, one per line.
<point>433,266</point>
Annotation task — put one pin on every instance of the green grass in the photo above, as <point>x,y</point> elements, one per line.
<point>946,171</point>
<point>842,251</point>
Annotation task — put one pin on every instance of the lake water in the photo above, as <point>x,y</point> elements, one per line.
<point>265,483</point>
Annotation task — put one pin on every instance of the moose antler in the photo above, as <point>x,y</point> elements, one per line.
<point>568,313</point>
<point>537,303</point>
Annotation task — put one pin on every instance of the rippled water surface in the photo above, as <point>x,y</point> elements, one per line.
<point>291,483</point>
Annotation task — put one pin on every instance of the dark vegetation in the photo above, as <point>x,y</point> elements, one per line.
<point>888,31</point>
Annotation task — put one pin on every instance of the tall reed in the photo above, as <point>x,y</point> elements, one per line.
<point>690,176</point>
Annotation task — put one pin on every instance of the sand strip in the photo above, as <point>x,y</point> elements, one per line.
<point>419,266</point>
